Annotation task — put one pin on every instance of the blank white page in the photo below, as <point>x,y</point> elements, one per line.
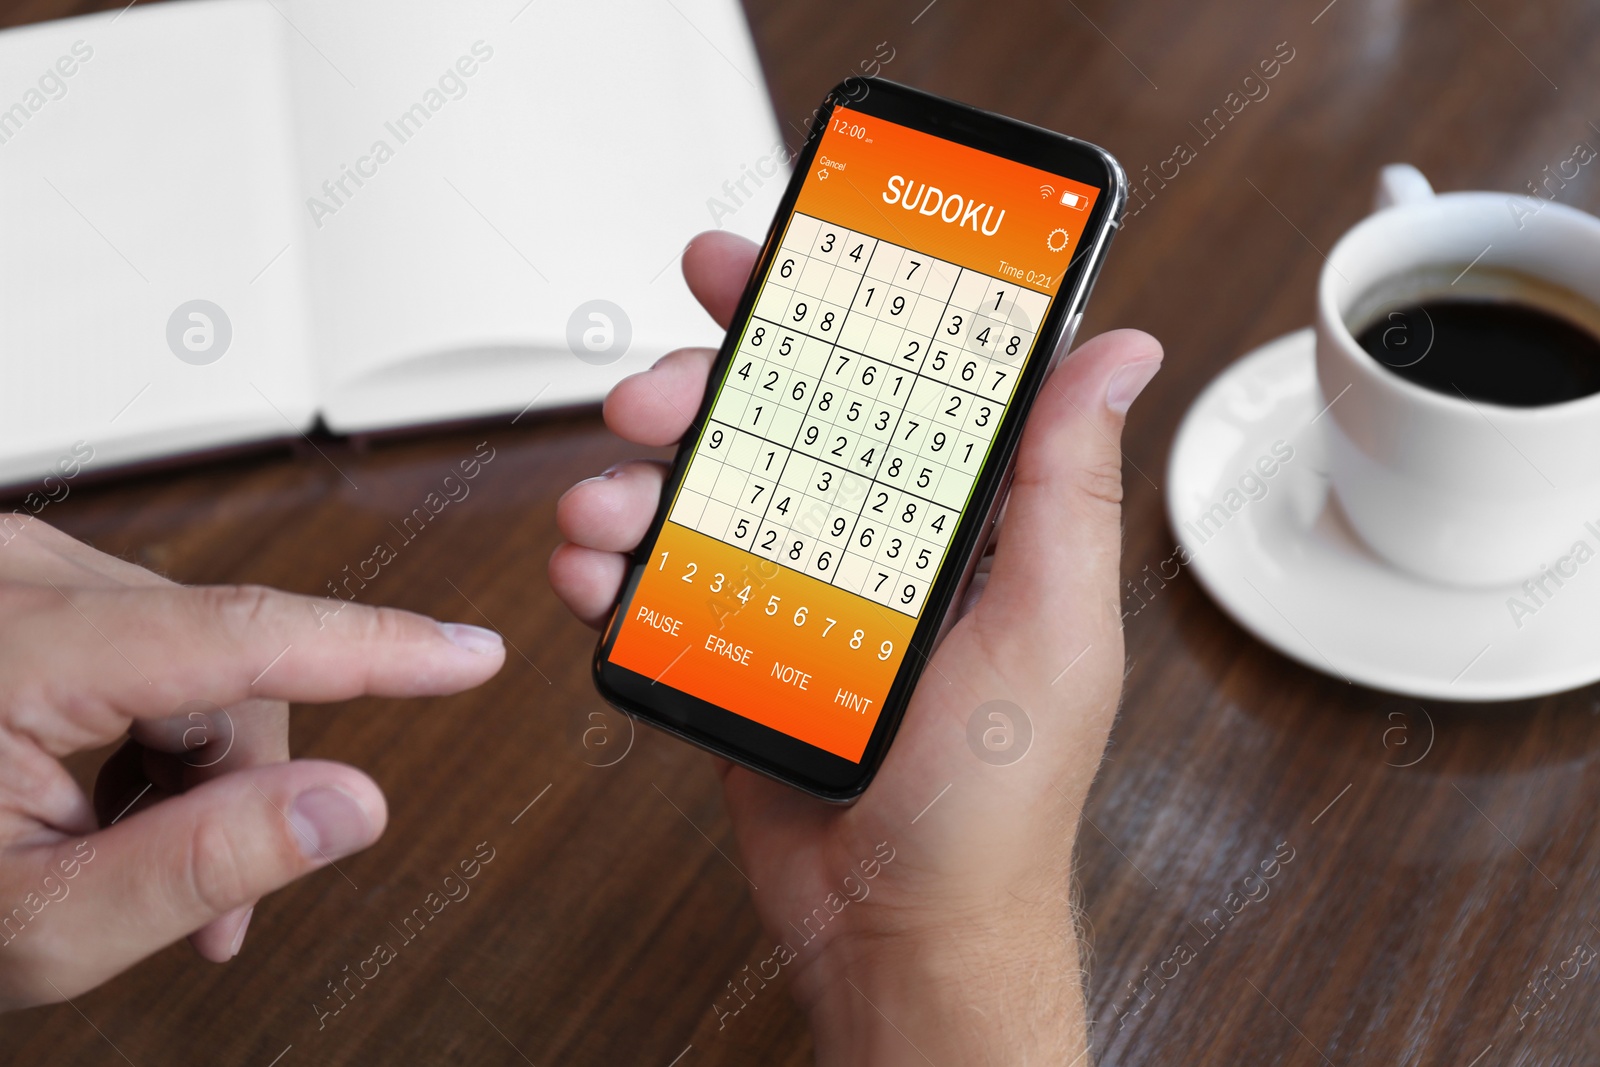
<point>573,163</point>
<point>159,172</point>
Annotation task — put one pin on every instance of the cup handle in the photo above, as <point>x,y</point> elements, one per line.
<point>1400,183</point>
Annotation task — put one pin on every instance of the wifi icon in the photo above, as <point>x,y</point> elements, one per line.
<point>1046,192</point>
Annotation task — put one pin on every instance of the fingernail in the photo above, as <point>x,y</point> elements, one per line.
<point>238,937</point>
<point>604,476</point>
<point>1128,383</point>
<point>472,638</point>
<point>329,824</point>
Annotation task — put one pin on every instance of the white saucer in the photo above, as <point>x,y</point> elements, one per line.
<point>1289,569</point>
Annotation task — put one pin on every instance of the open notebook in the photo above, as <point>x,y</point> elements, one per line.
<point>221,220</point>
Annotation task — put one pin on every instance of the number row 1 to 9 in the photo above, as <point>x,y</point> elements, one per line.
<point>802,616</point>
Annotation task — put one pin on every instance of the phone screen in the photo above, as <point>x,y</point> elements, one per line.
<point>846,433</point>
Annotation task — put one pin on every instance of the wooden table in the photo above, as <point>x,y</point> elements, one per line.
<point>1422,902</point>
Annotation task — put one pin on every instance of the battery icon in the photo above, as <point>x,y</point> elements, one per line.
<point>1074,201</point>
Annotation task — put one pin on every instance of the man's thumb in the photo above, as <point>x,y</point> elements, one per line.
<point>164,872</point>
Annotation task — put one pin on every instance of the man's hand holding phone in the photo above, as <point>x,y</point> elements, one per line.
<point>963,948</point>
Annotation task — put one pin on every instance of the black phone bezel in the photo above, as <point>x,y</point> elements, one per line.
<point>762,748</point>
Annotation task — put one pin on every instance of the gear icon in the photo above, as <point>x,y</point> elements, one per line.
<point>1052,243</point>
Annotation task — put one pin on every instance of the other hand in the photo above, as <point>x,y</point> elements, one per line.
<point>201,812</point>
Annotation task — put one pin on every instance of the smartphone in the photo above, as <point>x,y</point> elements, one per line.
<point>831,499</point>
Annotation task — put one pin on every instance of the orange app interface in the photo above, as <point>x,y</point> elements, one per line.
<point>845,439</point>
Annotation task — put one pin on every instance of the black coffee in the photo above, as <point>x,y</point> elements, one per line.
<point>1495,351</point>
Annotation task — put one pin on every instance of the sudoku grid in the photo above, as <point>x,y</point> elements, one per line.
<point>858,411</point>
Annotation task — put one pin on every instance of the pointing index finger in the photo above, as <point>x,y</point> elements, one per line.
<point>226,644</point>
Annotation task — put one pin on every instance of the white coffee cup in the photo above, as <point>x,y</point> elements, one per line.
<point>1459,491</point>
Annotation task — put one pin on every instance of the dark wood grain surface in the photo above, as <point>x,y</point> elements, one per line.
<point>1422,905</point>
